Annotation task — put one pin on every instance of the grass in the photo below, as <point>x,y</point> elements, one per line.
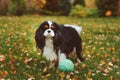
<point>20,60</point>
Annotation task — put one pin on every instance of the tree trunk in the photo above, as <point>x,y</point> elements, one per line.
<point>118,12</point>
<point>90,3</point>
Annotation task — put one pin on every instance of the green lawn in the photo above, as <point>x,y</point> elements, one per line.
<point>20,60</point>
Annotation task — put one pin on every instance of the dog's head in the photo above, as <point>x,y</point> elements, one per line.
<point>47,29</point>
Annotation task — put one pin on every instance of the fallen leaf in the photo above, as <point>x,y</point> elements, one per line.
<point>47,75</point>
<point>98,71</point>
<point>89,73</point>
<point>76,77</point>
<point>116,66</point>
<point>77,72</point>
<point>45,69</point>
<point>31,78</point>
<point>109,68</point>
<point>113,59</point>
<point>111,77</point>
<point>68,76</point>
<point>89,79</point>
<point>27,60</point>
<point>100,68</point>
<point>104,74</point>
<point>84,66</point>
<point>110,64</point>
<point>76,64</point>
<point>2,58</point>
<point>102,62</point>
<point>106,71</point>
<point>4,74</point>
<point>118,73</point>
<point>62,74</point>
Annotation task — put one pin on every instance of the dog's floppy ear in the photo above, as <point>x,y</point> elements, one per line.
<point>39,38</point>
<point>58,36</point>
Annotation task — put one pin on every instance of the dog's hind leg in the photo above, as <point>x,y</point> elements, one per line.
<point>79,52</point>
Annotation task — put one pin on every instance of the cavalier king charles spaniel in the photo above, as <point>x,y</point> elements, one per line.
<point>56,41</point>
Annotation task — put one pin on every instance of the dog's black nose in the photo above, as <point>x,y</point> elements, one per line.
<point>49,31</point>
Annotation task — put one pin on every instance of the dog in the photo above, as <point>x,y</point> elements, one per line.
<point>56,41</point>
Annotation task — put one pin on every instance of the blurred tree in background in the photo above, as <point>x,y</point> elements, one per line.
<point>51,5</point>
<point>65,6</point>
<point>61,7</point>
<point>78,11</point>
<point>79,2</point>
<point>39,3</point>
<point>4,4</point>
<point>108,7</point>
<point>30,6</point>
<point>17,7</point>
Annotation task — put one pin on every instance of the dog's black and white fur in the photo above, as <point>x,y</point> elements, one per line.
<point>57,41</point>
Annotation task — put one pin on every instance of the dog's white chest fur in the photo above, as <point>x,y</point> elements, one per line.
<point>48,51</point>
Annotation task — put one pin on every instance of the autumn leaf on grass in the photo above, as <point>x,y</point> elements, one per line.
<point>89,79</point>
<point>106,71</point>
<point>3,74</point>
<point>84,66</point>
<point>27,60</point>
<point>102,62</point>
<point>62,74</point>
<point>75,77</point>
<point>31,78</point>
<point>2,58</point>
<point>45,69</point>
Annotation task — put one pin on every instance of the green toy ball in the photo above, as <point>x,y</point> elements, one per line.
<point>66,65</point>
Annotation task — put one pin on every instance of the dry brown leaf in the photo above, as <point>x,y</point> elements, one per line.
<point>68,76</point>
<point>104,74</point>
<point>84,66</point>
<point>62,74</point>
<point>27,60</point>
<point>113,59</point>
<point>76,64</point>
<point>76,77</point>
<point>4,74</point>
<point>116,66</point>
<point>89,79</point>
<point>110,64</point>
<point>100,68</point>
<point>102,62</point>
<point>98,71</point>
<point>47,75</point>
<point>109,68</point>
<point>45,69</point>
<point>89,73</point>
<point>106,71</point>
<point>31,78</point>
<point>111,77</point>
<point>2,58</point>
<point>77,72</point>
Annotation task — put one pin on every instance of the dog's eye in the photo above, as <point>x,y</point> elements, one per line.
<point>46,26</point>
<point>52,27</point>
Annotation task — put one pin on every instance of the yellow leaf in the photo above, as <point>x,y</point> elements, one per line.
<point>47,75</point>
<point>106,71</point>
<point>2,58</point>
<point>62,74</point>
<point>111,78</point>
<point>4,74</point>
<point>102,62</point>
<point>84,66</point>
<point>110,64</point>
<point>45,69</point>
<point>75,77</point>
<point>89,79</point>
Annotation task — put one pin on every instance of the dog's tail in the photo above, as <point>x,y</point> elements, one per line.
<point>77,28</point>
